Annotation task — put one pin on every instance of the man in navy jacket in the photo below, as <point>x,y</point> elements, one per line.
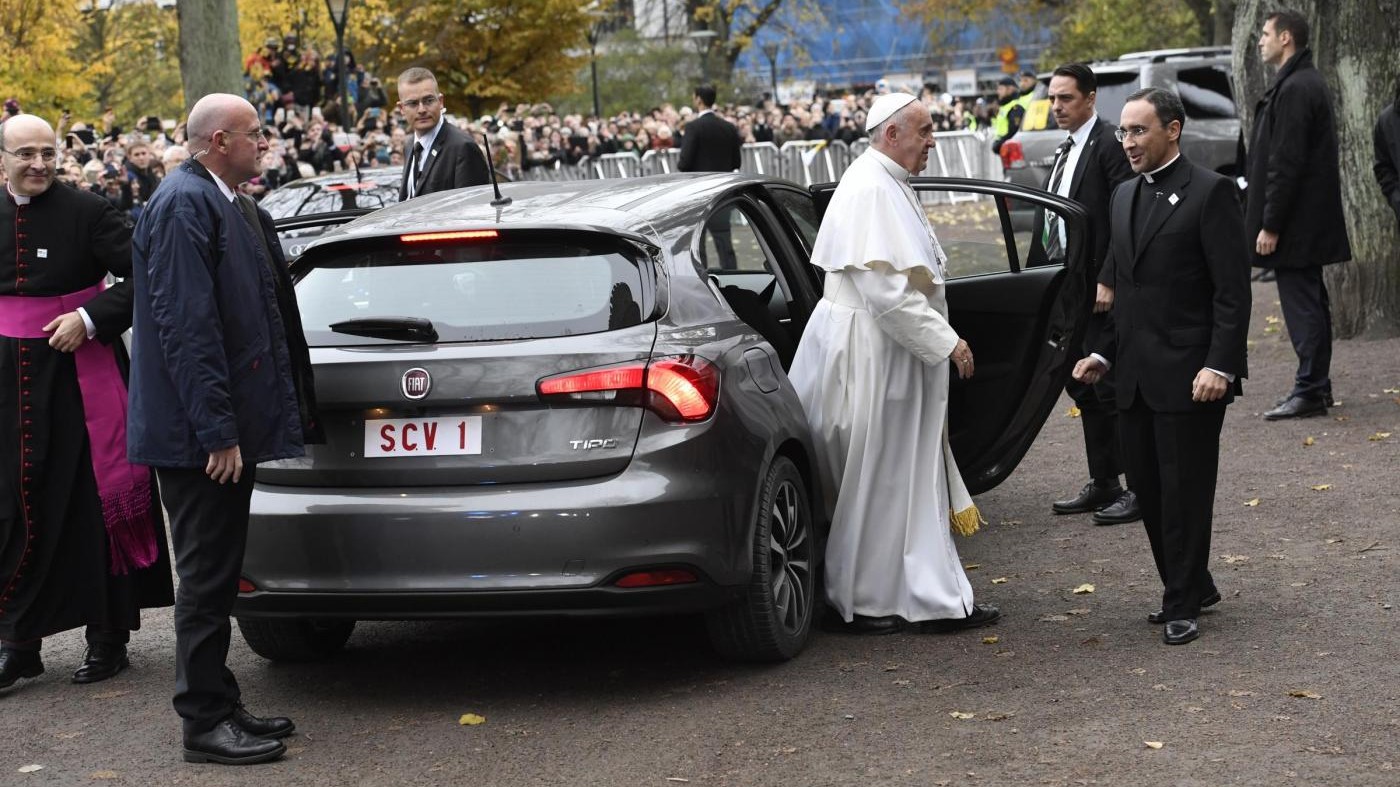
<point>220,381</point>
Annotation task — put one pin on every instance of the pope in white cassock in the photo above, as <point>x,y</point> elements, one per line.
<point>872,373</point>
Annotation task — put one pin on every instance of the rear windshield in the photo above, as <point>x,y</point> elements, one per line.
<point>476,291</point>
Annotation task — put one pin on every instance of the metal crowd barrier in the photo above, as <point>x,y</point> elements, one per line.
<point>957,154</point>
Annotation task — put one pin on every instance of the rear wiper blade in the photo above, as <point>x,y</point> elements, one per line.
<point>403,329</point>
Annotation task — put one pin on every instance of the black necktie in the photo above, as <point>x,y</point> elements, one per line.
<point>417,165</point>
<point>1051,240</point>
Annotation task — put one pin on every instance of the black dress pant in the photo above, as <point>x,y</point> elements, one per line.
<point>1172,460</point>
<point>209,531</point>
<point>1098,414</point>
<point>1302,294</point>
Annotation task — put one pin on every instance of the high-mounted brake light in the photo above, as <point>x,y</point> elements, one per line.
<point>679,388</point>
<point>429,237</point>
<point>1011,154</point>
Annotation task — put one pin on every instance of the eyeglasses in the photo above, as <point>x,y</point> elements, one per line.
<point>46,155</point>
<point>253,135</point>
<point>1136,132</point>
<point>427,102</point>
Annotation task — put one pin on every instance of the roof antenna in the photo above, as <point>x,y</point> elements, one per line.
<point>499,201</point>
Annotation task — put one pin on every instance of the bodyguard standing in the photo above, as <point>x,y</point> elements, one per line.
<point>1294,216</point>
<point>81,541</point>
<point>1089,164</point>
<point>1180,319</point>
<point>439,156</point>
<point>1387,142</point>
<point>220,382</point>
<point>711,143</point>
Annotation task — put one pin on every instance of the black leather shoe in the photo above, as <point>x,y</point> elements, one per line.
<point>1180,632</point>
<point>1157,618</point>
<point>1124,510</point>
<point>229,744</point>
<point>1326,399</point>
<point>102,662</point>
<point>16,664</point>
<point>1297,407</point>
<point>269,727</point>
<point>982,615</point>
<point>1091,498</point>
<point>861,624</point>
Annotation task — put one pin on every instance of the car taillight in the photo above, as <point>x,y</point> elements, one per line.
<point>1011,154</point>
<point>679,388</point>
<point>651,579</point>
<point>246,585</point>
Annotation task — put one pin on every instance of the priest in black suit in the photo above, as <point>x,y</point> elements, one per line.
<point>711,143</point>
<point>1177,262</point>
<point>1089,164</point>
<point>439,156</point>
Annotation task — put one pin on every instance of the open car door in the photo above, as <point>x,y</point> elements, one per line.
<point>1023,312</point>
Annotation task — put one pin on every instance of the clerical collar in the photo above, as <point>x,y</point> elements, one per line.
<point>20,199</point>
<point>896,171</point>
<point>1161,172</point>
<point>426,140</point>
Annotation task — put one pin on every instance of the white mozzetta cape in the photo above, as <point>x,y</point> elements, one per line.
<point>872,373</point>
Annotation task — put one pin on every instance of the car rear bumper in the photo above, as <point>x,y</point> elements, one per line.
<point>438,552</point>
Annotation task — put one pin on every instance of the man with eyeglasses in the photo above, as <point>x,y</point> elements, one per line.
<point>440,156</point>
<point>1294,213</point>
<point>81,543</point>
<point>220,382</point>
<point>1180,317</point>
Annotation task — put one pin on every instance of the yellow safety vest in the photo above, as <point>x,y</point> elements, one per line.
<point>1001,124</point>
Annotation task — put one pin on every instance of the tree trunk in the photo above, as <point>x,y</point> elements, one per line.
<point>1353,43</point>
<point>209,56</point>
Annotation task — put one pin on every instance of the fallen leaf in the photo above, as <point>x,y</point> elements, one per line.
<point>1084,588</point>
<point>104,775</point>
<point>1335,540</point>
<point>1159,687</point>
<point>677,779</point>
<point>1305,694</point>
<point>1271,329</point>
<point>972,566</point>
<point>999,581</point>
<point>1233,559</point>
<point>992,640</point>
<point>1378,436</point>
<point>1297,584</point>
<point>1309,440</point>
<point>960,715</point>
<point>999,716</point>
<point>1138,671</point>
<point>1320,487</point>
<point>471,719</point>
<point>1072,412</point>
<point>30,768</point>
<point>1272,320</point>
<point>1053,618</point>
<point>1195,709</point>
<point>891,668</point>
<point>788,750</point>
<point>1392,390</point>
<point>1253,503</point>
<point>1153,744</point>
<point>900,682</point>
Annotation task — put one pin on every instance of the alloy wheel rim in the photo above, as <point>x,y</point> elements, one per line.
<point>790,560</point>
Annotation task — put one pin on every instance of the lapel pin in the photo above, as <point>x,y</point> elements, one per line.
<point>43,254</point>
<point>434,151</point>
<point>1173,199</point>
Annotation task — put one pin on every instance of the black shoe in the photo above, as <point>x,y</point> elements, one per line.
<point>1157,618</point>
<point>229,744</point>
<point>1326,399</point>
<point>103,661</point>
<point>1297,407</point>
<point>16,664</point>
<point>982,615</point>
<point>1124,509</point>
<point>1180,632</point>
<point>269,727</point>
<point>861,624</point>
<point>1091,498</point>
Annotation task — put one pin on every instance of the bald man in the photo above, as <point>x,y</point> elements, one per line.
<point>80,543</point>
<point>220,381</point>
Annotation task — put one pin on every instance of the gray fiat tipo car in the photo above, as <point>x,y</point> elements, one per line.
<point>574,402</point>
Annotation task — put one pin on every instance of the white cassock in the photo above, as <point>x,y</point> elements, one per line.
<point>872,373</point>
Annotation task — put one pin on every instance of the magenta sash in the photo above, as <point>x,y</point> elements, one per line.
<point>125,489</point>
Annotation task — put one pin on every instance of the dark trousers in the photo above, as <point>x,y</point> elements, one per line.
<point>1306,310</point>
<point>1098,414</point>
<point>208,531</point>
<point>95,635</point>
<point>1171,461</point>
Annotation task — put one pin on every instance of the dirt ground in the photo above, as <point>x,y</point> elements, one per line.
<point>1294,681</point>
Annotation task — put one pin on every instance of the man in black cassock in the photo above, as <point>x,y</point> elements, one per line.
<point>81,539</point>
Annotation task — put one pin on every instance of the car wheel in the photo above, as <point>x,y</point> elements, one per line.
<point>295,639</point>
<point>772,620</point>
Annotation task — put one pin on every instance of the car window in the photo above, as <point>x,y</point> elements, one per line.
<point>1206,92</point>
<point>799,208</point>
<point>479,291</point>
<point>730,243</point>
<point>973,231</point>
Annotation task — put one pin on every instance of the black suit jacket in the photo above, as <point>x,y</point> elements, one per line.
<point>1101,167</point>
<point>1182,296</point>
<point>710,144</point>
<point>454,162</point>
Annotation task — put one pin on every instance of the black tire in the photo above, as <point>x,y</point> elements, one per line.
<point>295,639</point>
<point>774,618</point>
